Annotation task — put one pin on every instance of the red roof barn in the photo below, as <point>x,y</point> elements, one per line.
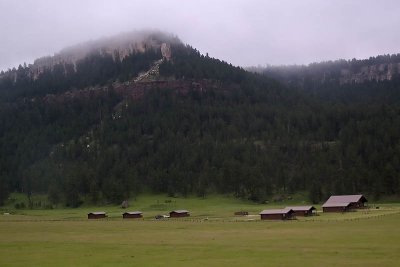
<point>277,214</point>
<point>344,203</point>
<point>179,213</point>
<point>132,215</point>
<point>303,210</point>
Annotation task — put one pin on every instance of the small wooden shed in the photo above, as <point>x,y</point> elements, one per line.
<point>303,210</point>
<point>97,215</point>
<point>179,213</point>
<point>277,214</point>
<point>132,215</point>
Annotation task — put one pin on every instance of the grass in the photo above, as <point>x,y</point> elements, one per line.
<point>212,236</point>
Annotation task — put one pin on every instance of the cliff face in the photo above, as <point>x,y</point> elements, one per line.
<point>380,68</point>
<point>378,72</point>
<point>118,46</point>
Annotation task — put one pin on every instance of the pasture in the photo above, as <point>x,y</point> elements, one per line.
<point>212,236</point>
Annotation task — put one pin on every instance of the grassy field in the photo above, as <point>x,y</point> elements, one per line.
<point>212,236</point>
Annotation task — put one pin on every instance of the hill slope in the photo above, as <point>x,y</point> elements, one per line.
<point>194,124</point>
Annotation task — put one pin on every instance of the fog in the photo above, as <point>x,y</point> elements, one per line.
<point>245,32</point>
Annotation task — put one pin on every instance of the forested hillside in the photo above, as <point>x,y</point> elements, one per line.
<point>247,134</point>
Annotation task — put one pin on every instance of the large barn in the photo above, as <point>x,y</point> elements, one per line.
<point>97,215</point>
<point>277,214</point>
<point>303,210</point>
<point>132,215</point>
<point>344,203</point>
<point>179,213</point>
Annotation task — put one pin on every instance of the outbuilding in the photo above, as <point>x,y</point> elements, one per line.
<point>277,214</point>
<point>132,215</point>
<point>179,213</point>
<point>344,203</point>
<point>336,207</point>
<point>97,215</point>
<point>303,210</point>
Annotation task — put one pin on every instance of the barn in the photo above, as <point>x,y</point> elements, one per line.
<point>179,213</point>
<point>336,207</point>
<point>277,214</point>
<point>97,215</point>
<point>344,203</point>
<point>303,210</point>
<point>132,215</point>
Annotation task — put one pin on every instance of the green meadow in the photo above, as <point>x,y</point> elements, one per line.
<point>212,236</point>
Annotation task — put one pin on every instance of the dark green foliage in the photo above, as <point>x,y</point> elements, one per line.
<point>96,69</point>
<point>249,136</point>
<point>4,191</point>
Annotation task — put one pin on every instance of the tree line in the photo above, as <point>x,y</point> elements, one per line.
<point>255,140</point>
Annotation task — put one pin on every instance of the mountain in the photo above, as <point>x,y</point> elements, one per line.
<point>114,121</point>
<point>379,68</point>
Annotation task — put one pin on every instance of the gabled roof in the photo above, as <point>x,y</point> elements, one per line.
<point>346,198</point>
<point>133,212</point>
<point>276,211</point>
<point>180,211</point>
<point>98,213</point>
<point>331,205</point>
<point>301,208</point>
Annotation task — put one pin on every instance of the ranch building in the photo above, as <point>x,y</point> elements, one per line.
<point>179,213</point>
<point>277,214</point>
<point>303,210</point>
<point>132,215</point>
<point>344,203</point>
<point>97,215</point>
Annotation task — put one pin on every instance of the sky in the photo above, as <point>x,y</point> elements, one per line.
<point>242,32</point>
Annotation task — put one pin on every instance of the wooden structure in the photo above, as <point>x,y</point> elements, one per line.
<point>179,213</point>
<point>277,214</point>
<point>132,215</point>
<point>303,210</point>
<point>97,215</point>
<point>336,207</point>
<point>344,203</point>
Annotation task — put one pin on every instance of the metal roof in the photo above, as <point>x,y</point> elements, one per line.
<point>180,211</point>
<point>133,212</point>
<point>276,211</point>
<point>346,198</point>
<point>331,205</point>
<point>301,208</point>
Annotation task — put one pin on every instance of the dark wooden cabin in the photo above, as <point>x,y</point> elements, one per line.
<point>303,210</point>
<point>336,207</point>
<point>132,215</point>
<point>344,203</point>
<point>179,213</point>
<point>97,215</point>
<point>277,214</point>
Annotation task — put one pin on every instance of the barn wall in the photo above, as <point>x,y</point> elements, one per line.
<point>334,209</point>
<point>132,216</point>
<point>96,216</point>
<point>271,217</point>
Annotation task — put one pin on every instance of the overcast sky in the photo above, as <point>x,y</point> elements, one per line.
<point>242,32</point>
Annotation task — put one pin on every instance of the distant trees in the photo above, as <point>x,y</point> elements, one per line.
<point>96,69</point>
<point>248,136</point>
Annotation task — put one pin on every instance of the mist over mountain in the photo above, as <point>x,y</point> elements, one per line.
<point>143,112</point>
<point>379,68</point>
